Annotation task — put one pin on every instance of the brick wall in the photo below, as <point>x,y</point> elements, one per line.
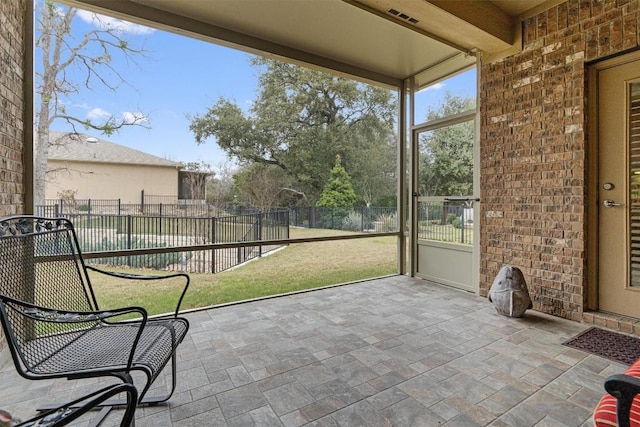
<point>11,106</point>
<point>533,145</point>
<point>12,24</point>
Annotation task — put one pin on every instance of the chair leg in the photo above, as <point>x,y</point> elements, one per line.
<point>63,415</point>
<point>154,400</point>
<point>142,398</point>
<point>104,404</point>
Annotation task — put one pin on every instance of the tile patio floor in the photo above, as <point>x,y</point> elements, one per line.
<point>388,352</point>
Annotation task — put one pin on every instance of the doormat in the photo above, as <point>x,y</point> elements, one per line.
<point>608,344</point>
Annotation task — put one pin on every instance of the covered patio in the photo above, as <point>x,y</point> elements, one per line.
<point>400,351</point>
<point>395,351</point>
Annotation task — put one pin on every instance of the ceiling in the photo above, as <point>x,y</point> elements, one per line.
<point>381,41</point>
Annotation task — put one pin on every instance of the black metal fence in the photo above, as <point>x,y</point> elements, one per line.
<point>445,222</point>
<point>109,225</point>
<point>119,232</point>
<point>358,218</point>
<point>439,221</point>
<point>60,207</point>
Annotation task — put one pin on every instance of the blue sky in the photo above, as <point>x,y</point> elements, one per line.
<point>178,77</point>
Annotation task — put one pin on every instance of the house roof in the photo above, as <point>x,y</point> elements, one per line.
<point>85,148</point>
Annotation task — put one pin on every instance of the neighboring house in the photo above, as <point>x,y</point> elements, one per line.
<point>92,168</point>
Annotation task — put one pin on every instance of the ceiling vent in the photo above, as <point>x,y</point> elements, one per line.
<point>403,16</point>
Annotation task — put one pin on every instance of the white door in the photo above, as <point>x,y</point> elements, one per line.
<point>618,87</point>
<point>447,210</point>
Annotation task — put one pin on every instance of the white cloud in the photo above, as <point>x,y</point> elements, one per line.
<point>436,86</point>
<point>109,23</point>
<point>134,117</point>
<point>98,114</point>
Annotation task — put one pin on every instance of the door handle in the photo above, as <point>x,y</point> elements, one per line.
<point>610,203</point>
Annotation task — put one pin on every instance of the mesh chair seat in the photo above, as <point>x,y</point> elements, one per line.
<point>101,348</point>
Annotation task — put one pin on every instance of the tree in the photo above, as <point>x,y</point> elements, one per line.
<point>338,191</point>
<point>299,121</point>
<point>375,174</point>
<point>261,186</point>
<point>446,153</point>
<point>220,186</point>
<point>194,177</point>
<point>58,55</point>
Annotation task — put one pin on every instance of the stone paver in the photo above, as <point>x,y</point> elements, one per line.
<point>388,352</point>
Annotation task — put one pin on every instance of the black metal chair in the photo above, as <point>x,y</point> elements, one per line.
<point>65,414</point>
<point>51,317</point>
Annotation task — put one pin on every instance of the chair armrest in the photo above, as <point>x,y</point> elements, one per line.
<point>148,277</point>
<point>50,315</point>
<point>624,388</point>
<point>47,314</point>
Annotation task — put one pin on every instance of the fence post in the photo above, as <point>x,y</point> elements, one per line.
<point>287,225</point>
<point>119,206</point>
<point>260,232</point>
<point>213,240</point>
<point>129,228</point>
<point>362,208</point>
<point>333,225</point>
<point>89,213</point>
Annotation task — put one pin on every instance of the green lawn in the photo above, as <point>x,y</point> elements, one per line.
<point>296,267</point>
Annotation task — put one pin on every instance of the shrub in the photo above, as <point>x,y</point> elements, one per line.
<point>83,208</point>
<point>451,217</point>
<point>153,261</point>
<point>456,223</point>
<point>331,218</point>
<point>352,222</point>
<point>388,222</point>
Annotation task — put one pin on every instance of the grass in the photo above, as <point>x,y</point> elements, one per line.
<point>296,267</point>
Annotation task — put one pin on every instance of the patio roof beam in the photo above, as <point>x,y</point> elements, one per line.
<point>465,24</point>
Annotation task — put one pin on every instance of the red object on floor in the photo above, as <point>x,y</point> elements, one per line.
<point>605,412</point>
